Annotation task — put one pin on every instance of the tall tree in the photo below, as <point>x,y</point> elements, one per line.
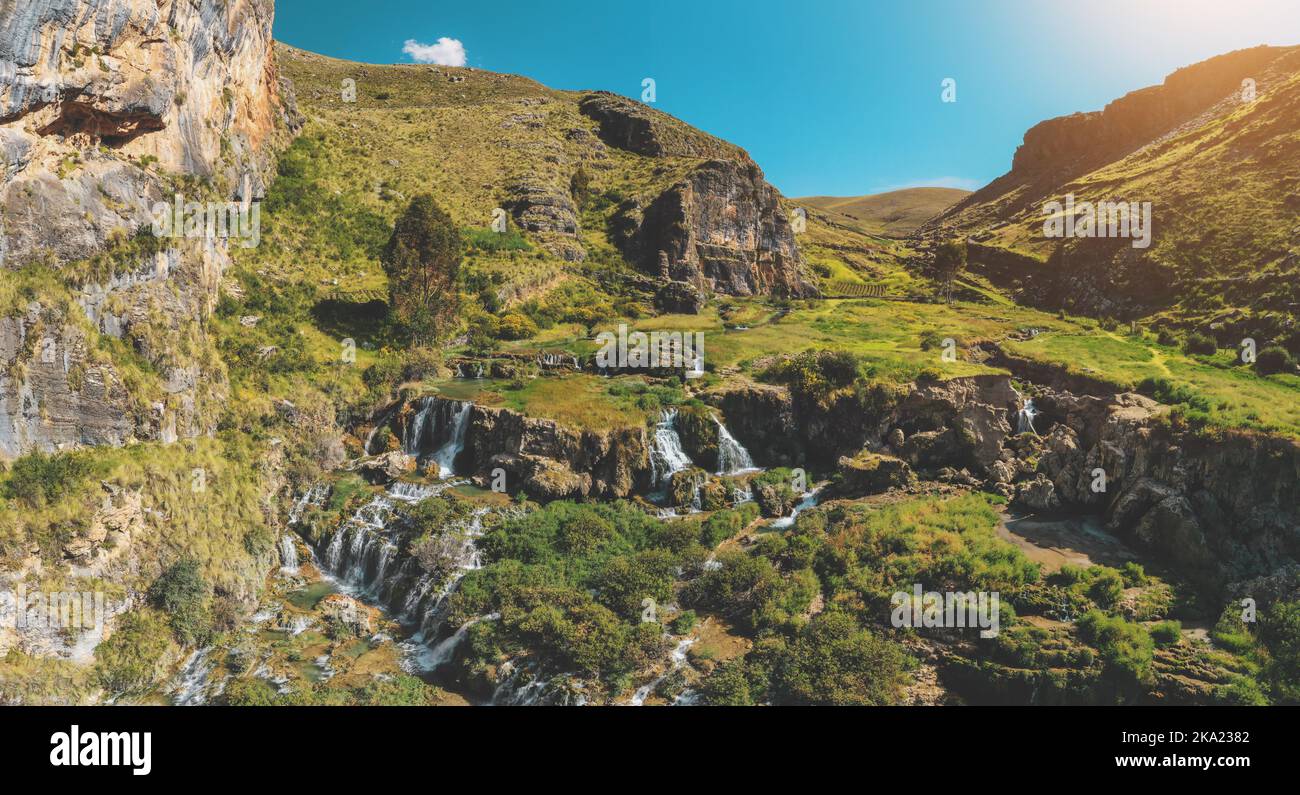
<point>949,262</point>
<point>422,260</point>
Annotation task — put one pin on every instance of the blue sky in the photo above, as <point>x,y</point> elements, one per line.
<point>838,97</point>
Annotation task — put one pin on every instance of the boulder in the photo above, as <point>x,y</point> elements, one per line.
<point>872,473</point>
<point>386,467</point>
<point>678,298</point>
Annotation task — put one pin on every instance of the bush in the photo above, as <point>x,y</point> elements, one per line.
<point>835,662</point>
<point>1106,588</point>
<point>1126,648</point>
<point>39,478</point>
<point>1199,343</point>
<point>516,326</point>
<point>183,594</point>
<point>1134,574</point>
<point>135,657</point>
<point>684,622</point>
<point>1274,359</point>
<point>1167,633</point>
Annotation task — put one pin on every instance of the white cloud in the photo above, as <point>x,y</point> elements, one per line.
<point>447,52</point>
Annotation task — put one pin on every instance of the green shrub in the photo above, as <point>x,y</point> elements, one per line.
<point>1125,648</point>
<point>135,657</point>
<point>39,478</point>
<point>683,623</point>
<point>1198,343</point>
<point>1167,633</point>
<point>185,596</point>
<point>1274,359</point>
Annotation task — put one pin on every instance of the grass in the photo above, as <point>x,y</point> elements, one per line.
<point>1232,395</point>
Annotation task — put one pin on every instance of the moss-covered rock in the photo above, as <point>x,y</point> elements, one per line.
<point>872,473</point>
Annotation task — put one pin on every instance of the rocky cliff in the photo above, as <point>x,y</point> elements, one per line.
<point>1210,153</point>
<point>722,229</point>
<point>106,108</point>
<point>1219,508</point>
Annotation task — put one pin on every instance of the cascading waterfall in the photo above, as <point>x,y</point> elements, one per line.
<point>733,458</point>
<point>364,556</point>
<point>288,554</point>
<point>666,455</point>
<point>446,455</point>
<point>437,656</point>
<point>1025,420</point>
<point>413,435</point>
<point>809,501</point>
<point>438,425</point>
<point>314,496</point>
<point>193,685</point>
<point>677,659</point>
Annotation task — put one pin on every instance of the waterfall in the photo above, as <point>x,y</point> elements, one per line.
<point>314,496</point>
<point>677,660</point>
<point>741,496</point>
<point>365,557</point>
<point>369,446</point>
<point>446,455</point>
<point>434,658</point>
<point>288,555</point>
<point>1025,420</point>
<point>413,435</point>
<point>809,501</point>
<point>733,458</point>
<point>193,685</point>
<point>666,454</point>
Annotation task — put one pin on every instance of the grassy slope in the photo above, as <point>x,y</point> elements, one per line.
<point>1223,195</point>
<point>895,213</point>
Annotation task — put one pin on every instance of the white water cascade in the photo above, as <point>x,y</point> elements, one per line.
<point>437,432</point>
<point>434,658</point>
<point>446,455</point>
<point>733,458</point>
<point>288,554</point>
<point>809,501</point>
<point>666,455</point>
<point>1025,420</point>
<point>677,660</point>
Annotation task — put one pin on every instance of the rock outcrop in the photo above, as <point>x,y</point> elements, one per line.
<point>722,229</point>
<point>98,98</point>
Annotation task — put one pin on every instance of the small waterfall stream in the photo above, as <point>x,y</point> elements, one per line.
<point>733,458</point>
<point>288,554</point>
<point>1025,419</point>
<point>437,432</point>
<point>809,501</point>
<point>446,455</point>
<point>666,455</point>
<point>677,659</point>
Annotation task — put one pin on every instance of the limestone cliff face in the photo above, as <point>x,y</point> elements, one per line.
<point>721,228</point>
<point>99,99</point>
<point>551,461</point>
